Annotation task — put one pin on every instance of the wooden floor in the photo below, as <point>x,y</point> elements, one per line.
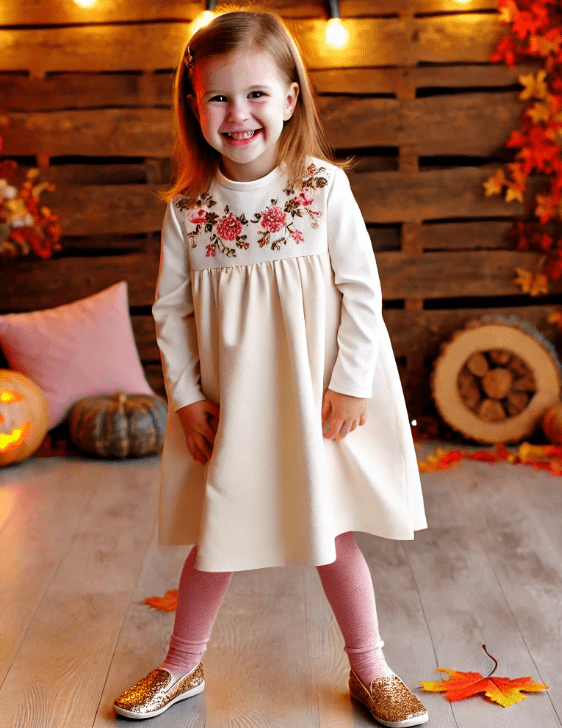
<point>78,556</point>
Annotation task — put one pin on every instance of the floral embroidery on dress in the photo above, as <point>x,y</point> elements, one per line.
<point>276,221</point>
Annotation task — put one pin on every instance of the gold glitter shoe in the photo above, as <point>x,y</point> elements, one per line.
<point>389,700</point>
<point>156,692</point>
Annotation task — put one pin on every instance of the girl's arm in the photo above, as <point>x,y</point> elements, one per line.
<point>176,332</point>
<point>356,277</point>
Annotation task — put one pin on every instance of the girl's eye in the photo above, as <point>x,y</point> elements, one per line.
<point>256,94</point>
<point>218,97</point>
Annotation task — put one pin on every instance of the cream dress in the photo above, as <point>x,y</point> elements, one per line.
<point>268,294</point>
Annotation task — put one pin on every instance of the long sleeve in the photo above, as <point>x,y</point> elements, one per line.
<point>176,330</point>
<point>356,277</point>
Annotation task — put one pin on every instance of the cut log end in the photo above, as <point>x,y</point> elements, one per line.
<point>496,385</point>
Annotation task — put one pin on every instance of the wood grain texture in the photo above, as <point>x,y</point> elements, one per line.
<point>439,275</point>
<point>403,275</point>
<point>524,551</point>
<point>389,41</point>
<point>434,194</point>
<point>421,333</point>
<point>364,81</point>
<point>45,12</point>
<point>40,507</point>
<point>96,209</point>
<point>465,605</point>
<point>62,661</point>
<point>486,571</point>
<point>144,637</point>
<point>74,90</point>
<point>469,124</point>
<point>42,285</point>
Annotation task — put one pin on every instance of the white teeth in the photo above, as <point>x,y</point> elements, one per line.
<point>241,134</point>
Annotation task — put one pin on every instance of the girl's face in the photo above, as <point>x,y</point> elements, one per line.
<point>241,101</point>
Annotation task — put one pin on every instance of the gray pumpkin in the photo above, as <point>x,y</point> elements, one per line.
<point>119,425</point>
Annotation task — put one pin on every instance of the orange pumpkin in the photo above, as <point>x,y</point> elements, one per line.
<point>24,417</point>
<point>552,424</point>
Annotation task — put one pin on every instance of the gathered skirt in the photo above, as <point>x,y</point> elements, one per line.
<point>276,492</point>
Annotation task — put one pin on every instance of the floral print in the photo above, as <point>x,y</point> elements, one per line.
<point>275,223</point>
<point>229,227</point>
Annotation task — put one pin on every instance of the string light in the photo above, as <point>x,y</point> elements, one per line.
<point>336,35</point>
<point>206,16</point>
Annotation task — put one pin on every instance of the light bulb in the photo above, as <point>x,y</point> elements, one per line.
<point>85,3</point>
<point>336,35</point>
<point>202,20</point>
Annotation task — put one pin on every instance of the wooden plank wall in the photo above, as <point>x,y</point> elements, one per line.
<point>85,95</point>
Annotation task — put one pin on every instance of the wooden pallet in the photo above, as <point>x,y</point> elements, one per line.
<point>413,96</point>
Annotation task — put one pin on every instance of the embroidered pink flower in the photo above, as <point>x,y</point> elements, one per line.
<point>229,227</point>
<point>210,250</point>
<point>196,216</point>
<point>297,236</point>
<point>306,197</point>
<point>273,219</point>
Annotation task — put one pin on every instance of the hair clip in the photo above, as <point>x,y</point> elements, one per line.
<point>188,59</point>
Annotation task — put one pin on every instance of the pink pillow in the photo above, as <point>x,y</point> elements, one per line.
<point>77,350</point>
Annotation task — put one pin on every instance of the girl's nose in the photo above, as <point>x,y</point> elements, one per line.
<point>237,112</point>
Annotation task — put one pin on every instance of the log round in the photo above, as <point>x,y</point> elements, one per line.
<point>494,380</point>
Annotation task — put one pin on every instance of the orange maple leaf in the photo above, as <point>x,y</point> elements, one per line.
<point>546,208</point>
<point>556,318</point>
<point>533,283</point>
<point>167,603</point>
<point>501,690</point>
<point>535,86</point>
<point>539,112</point>
<point>513,193</point>
<point>493,185</point>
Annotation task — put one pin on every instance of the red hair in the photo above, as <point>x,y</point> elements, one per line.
<point>194,160</point>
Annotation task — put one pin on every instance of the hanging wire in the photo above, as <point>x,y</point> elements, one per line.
<point>333,8</point>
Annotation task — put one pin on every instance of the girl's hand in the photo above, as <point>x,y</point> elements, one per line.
<point>345,413</point>
<point>200,421</point>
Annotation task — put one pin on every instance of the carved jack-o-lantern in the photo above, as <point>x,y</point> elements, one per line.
<point>24,417</point>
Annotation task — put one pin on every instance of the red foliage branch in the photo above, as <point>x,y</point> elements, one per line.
<point>27,228</point>
<point>535,33</point>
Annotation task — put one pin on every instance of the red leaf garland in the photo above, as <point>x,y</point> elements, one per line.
<point>535,33</point>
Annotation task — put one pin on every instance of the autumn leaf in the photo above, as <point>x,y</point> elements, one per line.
<point>513,193</point>
<point>544,45</point>
<point>493,185</point>
<point>539,112</point>
<point>508,11</point>
<point>556,318</point>
<point>545,209</point>
<point>167,603</point>
<point>533,283</point>
<point>525,24</point>
<point>517,175</point>
<point>501,690</point>
<point>535,86</point>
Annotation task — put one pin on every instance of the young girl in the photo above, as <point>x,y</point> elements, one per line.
<point>287,426</point>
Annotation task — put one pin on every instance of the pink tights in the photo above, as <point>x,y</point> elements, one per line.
<point>348,588</point>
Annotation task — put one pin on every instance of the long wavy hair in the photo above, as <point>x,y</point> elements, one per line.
<point>194,161</point>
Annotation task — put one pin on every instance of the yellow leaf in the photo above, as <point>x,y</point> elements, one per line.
<point>542,45</point>
<point>512,193</point>
<point>539,285</point>
<point>524,279</point>
<point>545,207</point>
<point>535,87</point>
<point>494,184</point>
<point>539,112</point>
<point>555,317</point>
<point>32,173</point>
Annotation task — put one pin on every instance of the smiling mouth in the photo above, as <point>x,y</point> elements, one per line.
<point>239,135</point>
